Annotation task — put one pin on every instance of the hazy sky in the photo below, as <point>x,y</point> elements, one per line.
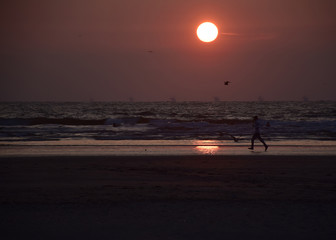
<point>98,49</point>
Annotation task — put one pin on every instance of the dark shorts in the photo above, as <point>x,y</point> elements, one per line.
<point>256,135</point>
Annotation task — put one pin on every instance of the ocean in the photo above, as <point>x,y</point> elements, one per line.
<point>281,121</point>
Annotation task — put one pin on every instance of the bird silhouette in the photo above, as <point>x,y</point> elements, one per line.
<point>235,139</point>
<point>226,83</point>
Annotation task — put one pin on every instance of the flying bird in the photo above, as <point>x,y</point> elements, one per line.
<point>235,139</point>
<point>226,83</point>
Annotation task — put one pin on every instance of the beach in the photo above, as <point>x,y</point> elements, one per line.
<point>168,120</point>
<point>162,196</point>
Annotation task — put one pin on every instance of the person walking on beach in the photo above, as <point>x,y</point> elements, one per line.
<point>256,134</point>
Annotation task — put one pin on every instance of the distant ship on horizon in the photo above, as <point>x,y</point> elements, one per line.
<point>172,99</point>
<point>305,99</point>
<point>217,99</point>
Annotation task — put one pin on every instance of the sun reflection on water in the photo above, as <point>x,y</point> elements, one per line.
<point>206,147</point>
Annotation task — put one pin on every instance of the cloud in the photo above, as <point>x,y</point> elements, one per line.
<point>257,36</point>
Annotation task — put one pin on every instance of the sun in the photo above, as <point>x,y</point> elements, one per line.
<point>207,32</point>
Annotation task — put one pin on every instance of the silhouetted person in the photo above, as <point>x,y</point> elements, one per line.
<point>256,134</point>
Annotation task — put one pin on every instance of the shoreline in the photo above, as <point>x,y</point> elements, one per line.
<point>92,151</point>
<point>87,147</point>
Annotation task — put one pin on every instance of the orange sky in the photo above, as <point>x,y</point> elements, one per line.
<point>84,49</point>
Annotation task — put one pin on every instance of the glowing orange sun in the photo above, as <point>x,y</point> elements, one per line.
<point>207,32</point>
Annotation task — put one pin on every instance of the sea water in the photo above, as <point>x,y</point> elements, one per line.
<point>178,121</point>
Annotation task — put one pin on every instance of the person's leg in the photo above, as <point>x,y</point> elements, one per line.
<point>263,142</point>
<point>252,141</point>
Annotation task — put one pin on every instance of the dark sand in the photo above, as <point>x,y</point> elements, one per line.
<point>168,197</point>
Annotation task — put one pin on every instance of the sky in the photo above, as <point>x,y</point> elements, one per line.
<point>114,50</point>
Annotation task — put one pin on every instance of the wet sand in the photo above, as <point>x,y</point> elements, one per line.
<point>168,197</point>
